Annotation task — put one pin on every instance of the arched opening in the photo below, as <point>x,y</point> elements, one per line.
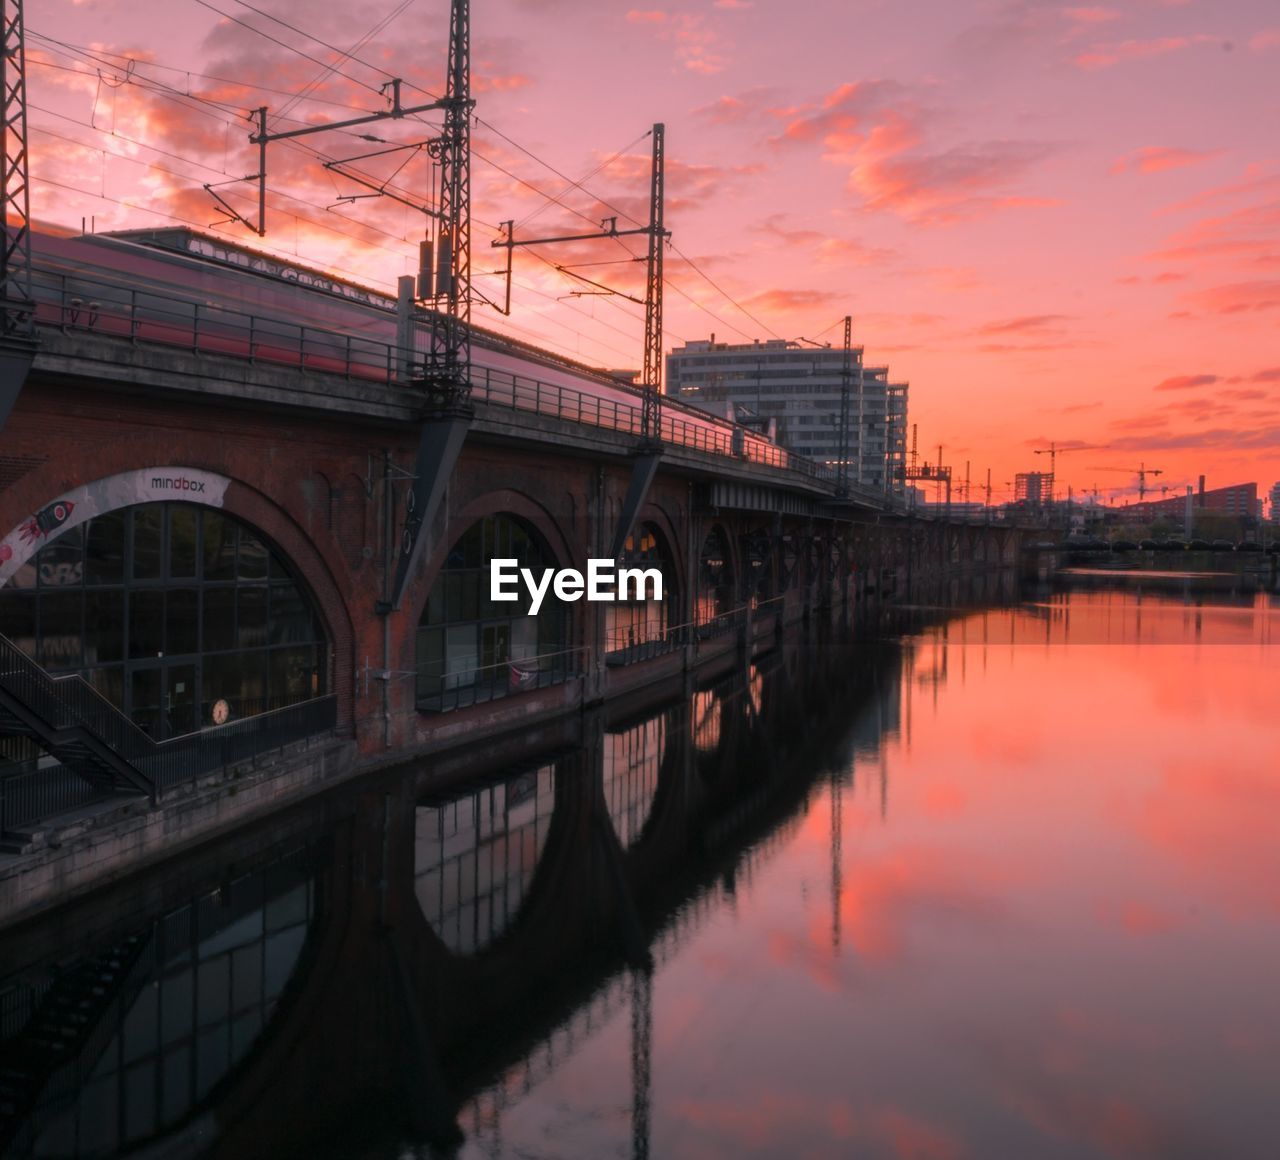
<point>636,626</point>
<point>632,765</point>
<point>471,648</point>
<point>715,594</point>
<point>151,1025</point>
<point>475,856</point>
<point>181,616</point>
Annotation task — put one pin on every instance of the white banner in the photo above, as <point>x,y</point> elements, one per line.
<point>73,508</point>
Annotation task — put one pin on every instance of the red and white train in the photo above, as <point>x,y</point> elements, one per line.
<point>180,287</point>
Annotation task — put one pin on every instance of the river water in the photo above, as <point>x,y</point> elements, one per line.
<point>1004,885</point>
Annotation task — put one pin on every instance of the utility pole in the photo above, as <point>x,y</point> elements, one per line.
<point>651,420</point>
<point>17,327</point>
<point>449,377</point>
<point>651,415</point>
<point>846,380</point>
<point>446,416</point>
<point>1052,453</point>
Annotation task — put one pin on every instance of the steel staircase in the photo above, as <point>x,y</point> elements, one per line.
<point>70,721</point>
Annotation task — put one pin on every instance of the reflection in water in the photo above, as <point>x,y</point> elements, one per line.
<point>632,759</point>
<point>706,721</point>
<point>933,896</point>
<point>121,1043</point>
<point>474,857</point>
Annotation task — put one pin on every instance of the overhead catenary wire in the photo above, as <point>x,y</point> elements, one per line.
<point>194,101</point>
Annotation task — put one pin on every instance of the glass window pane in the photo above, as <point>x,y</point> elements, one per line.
<point>291,621</point>
<point>145,701</point>
<point>252,560</point>
<point>219,619</point>
<point>219,547</point>
<point>182,622</point>
<point>18,615</point>
<point>251,617</point>
<point>104,614</point>
<point>109,684</point>
<point>146,623</point>
<point>61,629</point>
<point>213,989</point>
<point>289,674</point>
<point>147,539</point>
<point>104,549</point>
<point>182,542</point>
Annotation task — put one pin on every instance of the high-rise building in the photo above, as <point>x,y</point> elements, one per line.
<point>798,389</point>
<point>1275,503</point>
<point>1033,488</point>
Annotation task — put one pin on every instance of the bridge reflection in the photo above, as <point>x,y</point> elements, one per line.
<point>408,960</point>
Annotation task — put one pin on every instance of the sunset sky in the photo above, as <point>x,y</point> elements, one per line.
<point>1056,222</point>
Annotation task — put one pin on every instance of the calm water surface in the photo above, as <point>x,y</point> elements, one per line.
<point>1032,909</point>
<point>1008,886</point>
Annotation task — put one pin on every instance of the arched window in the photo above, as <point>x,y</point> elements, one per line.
<point>641,621</point>
<point>715,577</point>
<point>180,616</point>
<point>475,856</point>
<point>471,648</point>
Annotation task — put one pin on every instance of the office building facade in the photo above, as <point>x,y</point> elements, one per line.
<point>798,389</point>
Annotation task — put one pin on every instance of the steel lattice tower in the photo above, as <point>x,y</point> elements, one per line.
<point>450,373</point>
<point>651,421</point>
<point>15,277</point>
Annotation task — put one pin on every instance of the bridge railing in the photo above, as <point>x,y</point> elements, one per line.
<point>72,302</point>
<point>440,689</point>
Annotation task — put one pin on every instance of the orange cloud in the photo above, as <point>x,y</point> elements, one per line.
<point>794,301</point>
<point>1238,298</point>
<point>1034,323</point>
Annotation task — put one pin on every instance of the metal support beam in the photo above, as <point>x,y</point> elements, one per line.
<point>439,445</point>
<point>644,466</point>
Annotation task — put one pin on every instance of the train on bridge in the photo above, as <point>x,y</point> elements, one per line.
<point>180,287</point>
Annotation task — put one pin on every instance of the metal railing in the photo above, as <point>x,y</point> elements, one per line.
<point>68,302</point>
<point>32,795</point>
<point>68,705</point>
<point>440,689</point>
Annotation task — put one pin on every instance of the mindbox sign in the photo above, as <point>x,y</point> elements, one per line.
<point>604,582</point>
<point>80,504</point>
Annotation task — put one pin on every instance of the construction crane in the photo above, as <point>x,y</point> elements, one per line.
<point>1053,451</point>
<point>1142,471</point>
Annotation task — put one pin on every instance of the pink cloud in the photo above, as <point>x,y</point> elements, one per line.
<point>1116,52</point>
<point>1266,39</point>
<point>1158,158</point>
<point>650,16</point>
<point>1091,15</point>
